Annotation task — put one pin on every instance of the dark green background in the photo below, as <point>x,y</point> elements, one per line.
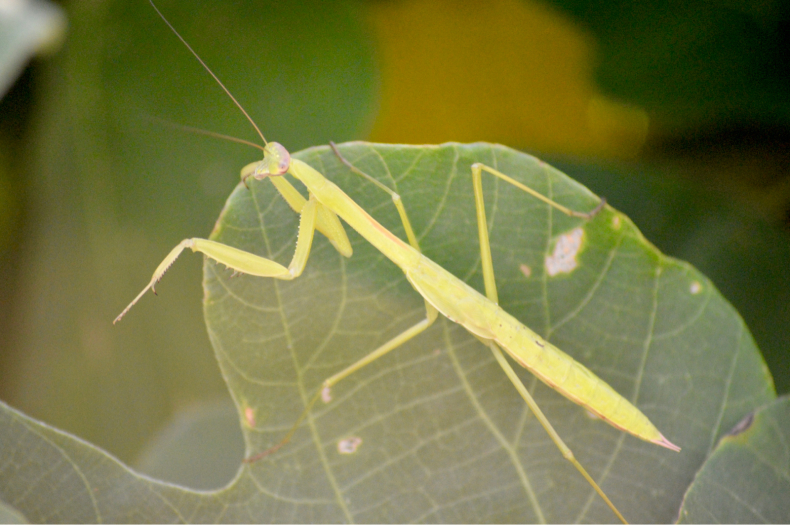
<point>96,188</point>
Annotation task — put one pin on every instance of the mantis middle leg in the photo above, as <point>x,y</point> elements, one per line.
<point>430,316</point>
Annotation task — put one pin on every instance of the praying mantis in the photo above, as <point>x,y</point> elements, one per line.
<point>442,292</point>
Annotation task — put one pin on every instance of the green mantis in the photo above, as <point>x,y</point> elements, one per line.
<point>443,293</point>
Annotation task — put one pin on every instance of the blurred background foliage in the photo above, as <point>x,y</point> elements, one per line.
<point>676,111</point>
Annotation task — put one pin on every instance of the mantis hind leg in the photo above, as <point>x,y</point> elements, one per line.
<point>491,293</point>
<point>485,247</point>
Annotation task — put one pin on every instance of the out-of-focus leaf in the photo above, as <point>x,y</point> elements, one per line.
<point>201,448</point>
<point>54,477</point>
<point>112,188</point>
<point>10,515</point>
<point>747,477</point>
<point>693,62</point>
<point>436,432</point>
<point>508,71</point>
<point>27,28</point>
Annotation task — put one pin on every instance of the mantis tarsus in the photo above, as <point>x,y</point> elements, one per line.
<point>443,293</point>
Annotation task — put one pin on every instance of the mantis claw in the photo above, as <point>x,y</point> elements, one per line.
<point>160,271</point>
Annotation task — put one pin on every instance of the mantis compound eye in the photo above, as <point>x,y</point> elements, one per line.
<point>276,160</point>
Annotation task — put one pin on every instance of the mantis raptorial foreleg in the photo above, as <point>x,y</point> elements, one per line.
<point>326,222</point>
<point>492,294</point>
<point>246,262</point>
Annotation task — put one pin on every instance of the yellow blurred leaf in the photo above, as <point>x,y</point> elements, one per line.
<point>508,71</point>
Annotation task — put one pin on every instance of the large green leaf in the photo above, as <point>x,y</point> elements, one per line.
<point>739,250</point>
<point>747,478</point>
<point>440,426</point>
<point>437,432</point>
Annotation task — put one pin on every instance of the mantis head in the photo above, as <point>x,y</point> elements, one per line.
<point>276,161</point>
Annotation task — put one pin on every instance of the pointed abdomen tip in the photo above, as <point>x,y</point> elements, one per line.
<point>664,442</point>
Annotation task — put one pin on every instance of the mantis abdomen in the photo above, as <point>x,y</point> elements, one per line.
<point>466,306</point>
